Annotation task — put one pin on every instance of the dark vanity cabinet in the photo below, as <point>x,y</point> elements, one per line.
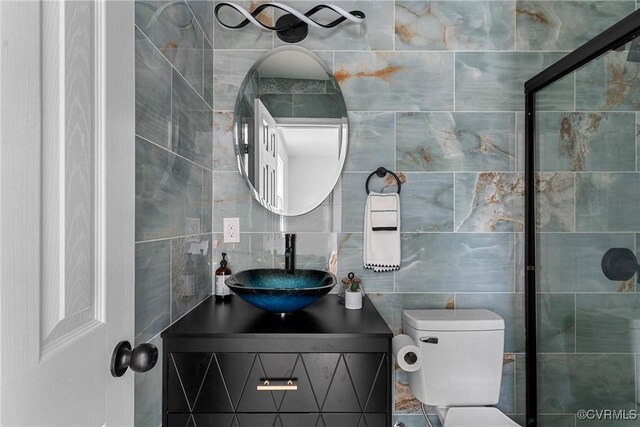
<point>233,365</point>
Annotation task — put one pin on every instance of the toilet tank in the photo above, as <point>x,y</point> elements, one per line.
<point>462,356</point>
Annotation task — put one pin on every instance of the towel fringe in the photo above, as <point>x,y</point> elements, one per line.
<point>382,267</point>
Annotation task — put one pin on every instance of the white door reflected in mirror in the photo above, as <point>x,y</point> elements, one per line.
<point>291,131</point>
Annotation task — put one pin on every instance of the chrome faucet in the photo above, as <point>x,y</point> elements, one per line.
<point>290,253</point>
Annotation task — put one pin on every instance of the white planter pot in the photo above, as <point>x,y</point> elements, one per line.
<point>353,300</point>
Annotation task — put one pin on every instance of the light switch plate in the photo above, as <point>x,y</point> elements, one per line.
<point>231,230</point>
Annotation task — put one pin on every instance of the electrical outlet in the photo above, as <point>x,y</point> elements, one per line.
<point>231,230</point>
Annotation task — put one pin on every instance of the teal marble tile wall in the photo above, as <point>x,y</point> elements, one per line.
<point>587,324</point>
<point>174,175</point>
<point>434,91</point>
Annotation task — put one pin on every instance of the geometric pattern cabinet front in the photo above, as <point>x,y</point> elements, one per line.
<point>333,389</point>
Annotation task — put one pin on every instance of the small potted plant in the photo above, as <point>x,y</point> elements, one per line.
<point>353,292</point>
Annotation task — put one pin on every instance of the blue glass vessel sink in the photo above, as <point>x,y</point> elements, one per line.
<point>277,291</point>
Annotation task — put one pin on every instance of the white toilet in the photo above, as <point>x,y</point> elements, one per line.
<point>462,365</point>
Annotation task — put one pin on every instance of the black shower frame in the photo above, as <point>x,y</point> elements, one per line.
<point>619,34</point>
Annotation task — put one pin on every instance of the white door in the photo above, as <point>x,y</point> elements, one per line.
<point>66,210</point>
<point>266,154</point>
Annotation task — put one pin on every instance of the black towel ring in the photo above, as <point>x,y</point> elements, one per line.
<point>381,172</point>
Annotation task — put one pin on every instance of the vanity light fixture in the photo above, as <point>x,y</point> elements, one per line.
<point>292,27</point>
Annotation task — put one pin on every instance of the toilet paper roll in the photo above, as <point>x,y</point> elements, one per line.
<point>408,355</point>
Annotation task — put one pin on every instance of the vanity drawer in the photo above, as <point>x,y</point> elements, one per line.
<point>278,420</point>
<point>324,383</point>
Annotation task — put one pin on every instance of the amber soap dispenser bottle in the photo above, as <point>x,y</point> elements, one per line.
<point>222,291</point>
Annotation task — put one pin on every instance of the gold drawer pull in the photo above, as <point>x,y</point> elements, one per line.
<point>287,385</point>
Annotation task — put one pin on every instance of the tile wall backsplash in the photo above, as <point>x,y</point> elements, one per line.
<point>434,91</point>
<point>174,175</point>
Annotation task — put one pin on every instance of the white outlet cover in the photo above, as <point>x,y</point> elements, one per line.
<point>231,230</point>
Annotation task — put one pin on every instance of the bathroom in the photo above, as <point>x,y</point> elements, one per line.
<point>434,91</point>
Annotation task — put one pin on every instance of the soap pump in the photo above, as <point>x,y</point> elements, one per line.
<point>222,291</point>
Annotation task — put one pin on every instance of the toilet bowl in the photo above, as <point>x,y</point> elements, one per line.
<point>474,417</point>
<point>462,353</point>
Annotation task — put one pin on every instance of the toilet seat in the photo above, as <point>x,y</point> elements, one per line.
<point>483,416</point>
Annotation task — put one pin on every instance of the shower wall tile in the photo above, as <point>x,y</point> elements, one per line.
<point>279,105</point>
<point>456,262</point>
<point>250,37</point>
<point>592,141</point>
<point>203,11</point>
<point>493,81</point>
<point>168,193</point>
<point>320,219</point>
<point>426,202</point>
<point>404,401</point>
<point>207,74</point>
<point>454,25</point>
<point>521,365</point>
<point>507,399</point>
<point>555,205</point>
<point>207,201</point>
<point>354,196</point>
<point>318,105</point>
<point>390,305</point>
<point>224,157</point>
<point>255,250</point>
<point>608,323</point>
<point>508,305</point>
<point>174,183</point>
<point>316,251</point>
<point>350,260</point>
<point>416,420</point>
<point>609,84</point>
<point>556,323</point>
<point>612,388</point>
<point>191,124</point>
<point>556,421</point>
<point>520,262</point>
<point>172,28</point>
<point>190,263</point>
<point>279,85</point>
<point>570,262</point>
<point>229,69</point>
<point>376,33</point>
<point>489,202</point>
<point>148,393</point>
<point>455,141</point>
<point>153,286</point>
<point>371,137</point>
<point>604,202</point>
<point>396,81</point>
<point>153,92</point>
<point>232,199</point>
<point>559,25</point>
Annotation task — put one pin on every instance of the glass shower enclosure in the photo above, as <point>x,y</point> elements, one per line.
<point>582,162</point>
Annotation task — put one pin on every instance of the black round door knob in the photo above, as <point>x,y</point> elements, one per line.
<point>142,358</point>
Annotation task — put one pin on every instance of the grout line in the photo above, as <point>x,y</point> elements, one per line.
<point>454,81</point>
<point>176,154</point>
<point>162,239</point>
<point>199,25</point>
<point>174,68</point>
<point>415,51</point>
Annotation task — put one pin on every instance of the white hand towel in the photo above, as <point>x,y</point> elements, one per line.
<point>381,247</point>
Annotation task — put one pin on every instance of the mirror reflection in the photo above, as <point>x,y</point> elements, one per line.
<point>291,130</point>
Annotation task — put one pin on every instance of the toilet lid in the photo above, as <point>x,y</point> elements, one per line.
<point>477,417</point>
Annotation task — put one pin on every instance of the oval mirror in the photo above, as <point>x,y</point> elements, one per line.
<point>291,129</point>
